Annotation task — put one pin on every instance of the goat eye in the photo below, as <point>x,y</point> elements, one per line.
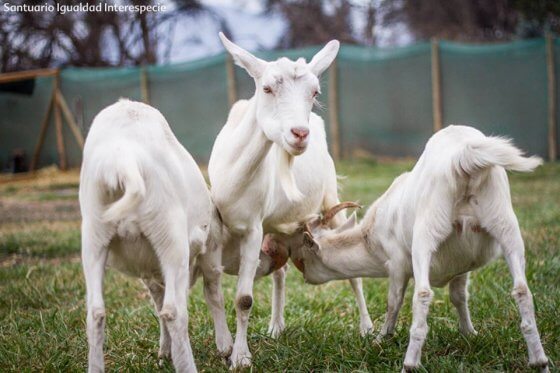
<point>267,89</point>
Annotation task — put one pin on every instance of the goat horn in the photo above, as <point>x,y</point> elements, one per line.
<point>336,209</point>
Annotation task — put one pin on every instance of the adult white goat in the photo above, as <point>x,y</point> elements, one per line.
<point>146,210</point>
<point>450,215</point>
<point>259,185</point>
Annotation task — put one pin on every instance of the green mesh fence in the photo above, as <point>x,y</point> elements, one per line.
<point>500,89</point>
<point>193,98</point>
<point>384,98</point>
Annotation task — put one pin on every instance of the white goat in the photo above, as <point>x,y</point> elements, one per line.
<point>259,185</point>
<point>146,210</point>
<point>450,215</point>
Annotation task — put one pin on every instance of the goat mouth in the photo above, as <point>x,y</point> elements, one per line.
<point>295,149</point>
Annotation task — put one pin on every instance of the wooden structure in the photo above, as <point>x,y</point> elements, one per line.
<point>57,107</point>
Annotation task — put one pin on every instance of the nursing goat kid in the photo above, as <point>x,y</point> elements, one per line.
<point>270,169</point>
<point>146,211</point>
<point>448,216</point>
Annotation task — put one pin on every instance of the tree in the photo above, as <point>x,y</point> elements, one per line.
<point>312,22</point>
<point>31,40</point>
<point>474,20</point>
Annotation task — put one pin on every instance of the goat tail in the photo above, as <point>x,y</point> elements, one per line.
<point>125,176</point>
<point>491,151</point>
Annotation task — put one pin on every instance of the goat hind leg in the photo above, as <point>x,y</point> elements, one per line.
<point>174,314</point>
<point>94,257</point>
<point>157,290</point>
<point>459,296</point>
<point>514,253</point>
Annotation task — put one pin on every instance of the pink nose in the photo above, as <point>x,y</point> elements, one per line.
<point>300,133</point>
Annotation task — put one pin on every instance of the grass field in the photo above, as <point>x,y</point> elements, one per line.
<point>42,308</point>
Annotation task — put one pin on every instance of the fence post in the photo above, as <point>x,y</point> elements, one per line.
<point>70,121</point>
<point>551,86</point>
<point>333,112</point>
<point>43,130</point>
<point>144,85</point>
<point>231,81</point>
<point>58,125</point>
<point>436,86</point>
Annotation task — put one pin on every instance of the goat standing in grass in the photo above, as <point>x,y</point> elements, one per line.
<point>450,215</point>
<point>269,169</point>
<point>146,210</point>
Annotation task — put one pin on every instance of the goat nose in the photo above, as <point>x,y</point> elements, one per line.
<point>300,132</point>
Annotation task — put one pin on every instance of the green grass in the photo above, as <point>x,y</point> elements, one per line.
<point>42,310</point>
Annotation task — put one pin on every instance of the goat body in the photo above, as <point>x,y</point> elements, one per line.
<point>146,210</point>
<point>448,216</point>
<point>270,169</point>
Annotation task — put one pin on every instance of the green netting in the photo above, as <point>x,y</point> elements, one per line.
<point>500,89</point>
<point>557,70</point>
<point>384,98</point>
<point>193,98</point>
<point>20,121</point>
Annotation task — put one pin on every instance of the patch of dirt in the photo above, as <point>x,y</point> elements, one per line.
<point>17,259</point>
<point>17,211</point>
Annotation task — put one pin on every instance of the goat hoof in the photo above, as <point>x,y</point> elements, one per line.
<point>410,367</point>
<point>469,332</point>
<point>276,329</point>
<point>541,364</point>
<point>225,352</point>
<point>366,329</point>
<point>383,337</point>
<point>240,361</point>
<point>163,355</point>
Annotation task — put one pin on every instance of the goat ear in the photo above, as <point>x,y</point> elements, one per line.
<point>308,239</point>
<point>350,223</point>
<point>254,66</point>
<point>323,59</point>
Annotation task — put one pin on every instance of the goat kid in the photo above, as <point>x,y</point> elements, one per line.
<point>146,211</point>
<point>447,217</point>
<point>270,154</point>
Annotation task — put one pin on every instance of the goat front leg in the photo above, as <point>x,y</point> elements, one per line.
<point>366,326</point>
<point>277,325</point>
<point>459,296</point>
<point>397,287</point>
<point>249,260</point>
<point>94,257</point>
<point>157,290</point>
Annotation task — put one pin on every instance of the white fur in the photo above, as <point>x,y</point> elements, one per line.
<point>450,215</point>
<point>263,178</point>
<point>146,211</point>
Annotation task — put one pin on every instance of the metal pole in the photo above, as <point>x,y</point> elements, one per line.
<point>231,81</point>
<point>436,87</point>
<point>58,125</point>
<point>333,112</point>
<point>551,86</point>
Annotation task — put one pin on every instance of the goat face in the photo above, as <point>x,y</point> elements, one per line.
<point>305,246</point>
<point>285,93</point>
